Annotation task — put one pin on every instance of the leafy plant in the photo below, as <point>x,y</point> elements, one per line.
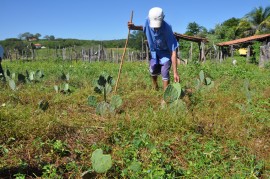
<point>50,171</point>
<point>60,148</point>
<point>19,176</point>
<point>101,162</point>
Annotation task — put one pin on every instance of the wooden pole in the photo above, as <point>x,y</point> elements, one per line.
<point>122,59</point>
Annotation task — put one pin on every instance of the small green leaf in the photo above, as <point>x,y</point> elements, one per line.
<point>103,108</point>
<point>12,84</point>
<point>101,81</point>
<point>21,78</point>
<point>208,81</point>
<point>66,87</point>
<point>39,75</point>
<point>197,84</point>
<point>31,76</point>
<point>13,76</point>
<point>56,88</point>
<point>108,88</point>
<point>98,89</point>
<point>116,101</point>
<point>201,74</point>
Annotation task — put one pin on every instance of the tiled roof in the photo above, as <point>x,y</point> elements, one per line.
<point>243,40</point>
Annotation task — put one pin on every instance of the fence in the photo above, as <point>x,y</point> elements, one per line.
<point>91,54</point>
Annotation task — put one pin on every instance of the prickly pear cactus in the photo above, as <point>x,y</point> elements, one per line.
<point>104,86</point>
<point>43,105</point>
<point>101,163</point>
<point>103,108</point>
<point>12,84</point>
<point>201,75</point>
<point>172,92</point>
<point>116,101</point>
<point>203,83</point>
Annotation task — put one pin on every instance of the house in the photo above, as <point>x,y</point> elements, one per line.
<point>38,46</point>
<point>30,39</point>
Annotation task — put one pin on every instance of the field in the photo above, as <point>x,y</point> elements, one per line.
<point>218,132</point>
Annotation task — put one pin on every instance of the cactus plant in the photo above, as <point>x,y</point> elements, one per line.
<point>103,108</point>
<point>101,163</point>
<point>43,105</point>
<point>12,84</point>
<point>203,82</point>
<point>104,86</point>
<point>172,92</point>
<point>65,77</point>
<point>116,101</point>
<point>64,90</point>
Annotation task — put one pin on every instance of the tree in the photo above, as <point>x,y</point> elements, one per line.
<point>52,37</point>
<point>25,36</point>
<point>195,29</point>
<point>227,30</point>
<point>47,37</point>
<point>255,22</point>
<point>37,35</point>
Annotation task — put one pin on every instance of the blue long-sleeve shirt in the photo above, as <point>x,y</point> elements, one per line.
<point>161,41</point>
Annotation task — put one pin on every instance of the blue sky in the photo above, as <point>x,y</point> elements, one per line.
<point>107,19</point>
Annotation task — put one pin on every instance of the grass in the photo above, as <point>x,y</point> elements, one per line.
<point>220,133</point>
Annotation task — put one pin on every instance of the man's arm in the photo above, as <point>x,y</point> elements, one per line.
<point>174,66</point>
<point>131,26</point>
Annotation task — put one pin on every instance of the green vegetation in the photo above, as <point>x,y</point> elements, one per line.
<point>221,132</point>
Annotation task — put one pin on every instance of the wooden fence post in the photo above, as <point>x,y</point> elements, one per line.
<point>263,56</point>
<point>248,53</point>
<point>191,51</point>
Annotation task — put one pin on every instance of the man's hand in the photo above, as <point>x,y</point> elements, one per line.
<point>130,25</point>
<point>176,78</point>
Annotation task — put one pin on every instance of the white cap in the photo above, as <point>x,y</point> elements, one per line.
<point>156,17</point>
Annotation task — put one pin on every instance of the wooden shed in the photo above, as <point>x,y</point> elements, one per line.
<point>247,41</point>
<point>201,42</point>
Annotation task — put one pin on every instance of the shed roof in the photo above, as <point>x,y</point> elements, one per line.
<point>189,38</point>
<point>244,40</point>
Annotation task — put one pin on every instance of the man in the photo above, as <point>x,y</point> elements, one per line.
<point>1,57</point>
<point>162,44</point>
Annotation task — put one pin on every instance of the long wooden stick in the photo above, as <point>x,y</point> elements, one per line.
<point>123,55</point>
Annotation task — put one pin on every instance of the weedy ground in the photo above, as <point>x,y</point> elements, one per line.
<point>223,132</point>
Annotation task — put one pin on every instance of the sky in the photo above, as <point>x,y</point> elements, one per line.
<point>107,19</point>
